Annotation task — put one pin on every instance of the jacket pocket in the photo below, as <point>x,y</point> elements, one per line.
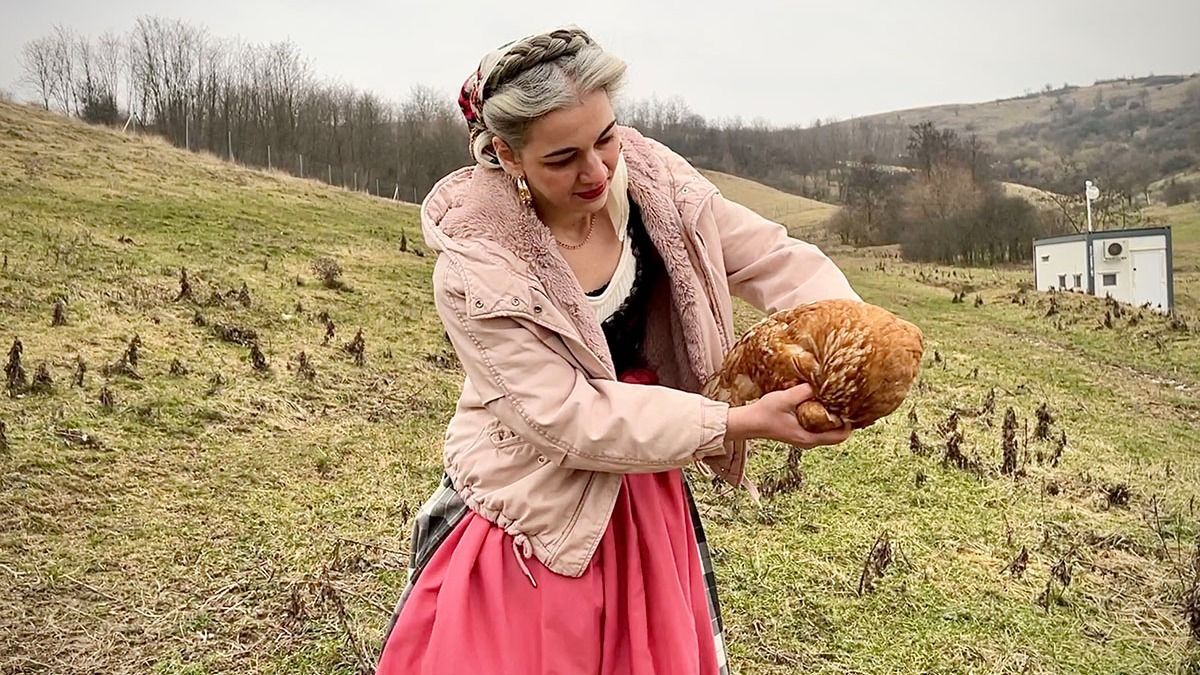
<point>515,447</point>
<point>502,437</point>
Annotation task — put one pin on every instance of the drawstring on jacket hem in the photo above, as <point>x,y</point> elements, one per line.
<point>522,549</point>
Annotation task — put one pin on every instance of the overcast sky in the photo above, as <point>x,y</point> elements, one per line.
<point>786,62</point>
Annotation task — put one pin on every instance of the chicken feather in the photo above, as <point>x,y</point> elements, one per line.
<point>860,360</point>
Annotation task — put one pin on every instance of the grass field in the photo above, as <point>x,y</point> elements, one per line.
<point>803,217</point>
<point>210,517</point>
<point>1191,178</point>
<point>1184,221</point>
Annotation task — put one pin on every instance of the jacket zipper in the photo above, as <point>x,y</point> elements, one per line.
<point>553,546</point>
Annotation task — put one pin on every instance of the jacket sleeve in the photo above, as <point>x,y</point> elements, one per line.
<point>764,265</point>
<point>770,269</point>
<point>575,421</point>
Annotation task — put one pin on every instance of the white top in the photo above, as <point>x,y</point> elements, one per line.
<point>619,286</point>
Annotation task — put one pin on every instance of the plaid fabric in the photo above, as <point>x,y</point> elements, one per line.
<point>710,579</point>
<point>435,520</point>
<point>444,510</point>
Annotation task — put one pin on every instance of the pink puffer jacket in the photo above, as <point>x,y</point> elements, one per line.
<point>543,429</point>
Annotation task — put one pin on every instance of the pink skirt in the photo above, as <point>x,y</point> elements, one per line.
<point>640,608</point>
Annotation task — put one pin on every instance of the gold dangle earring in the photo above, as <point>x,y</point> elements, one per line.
<point>523,192</point>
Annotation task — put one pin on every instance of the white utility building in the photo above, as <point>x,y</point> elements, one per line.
<point>1132,266</point>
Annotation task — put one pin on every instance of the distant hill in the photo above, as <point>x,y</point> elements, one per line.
<point>1125,134</point>
<point>1184,220</point>
<point>1128,132</point>
<point>992,119</point>
<point>804,218</point>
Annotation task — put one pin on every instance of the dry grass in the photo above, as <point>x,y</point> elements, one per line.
<point>991,117</point>
<point>193,527</point>
<point>802,216</point>
<point>1036,196</point>
<point>215,518</point>
<point>1190,177</point>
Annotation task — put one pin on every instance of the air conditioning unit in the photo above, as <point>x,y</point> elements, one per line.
<point>1116,249</point>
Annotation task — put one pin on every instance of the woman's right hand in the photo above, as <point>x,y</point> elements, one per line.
<point>774,417</point>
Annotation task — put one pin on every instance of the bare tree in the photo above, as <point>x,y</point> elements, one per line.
<point>95,89</point>
<point>36,59</point>
<point>62,70</point>
<point>867,188</point>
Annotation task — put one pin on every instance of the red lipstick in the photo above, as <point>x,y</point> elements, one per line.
<point>592,194</point>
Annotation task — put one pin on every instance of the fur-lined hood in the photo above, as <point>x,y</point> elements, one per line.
<point>475,212</point>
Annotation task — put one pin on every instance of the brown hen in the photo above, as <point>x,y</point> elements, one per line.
<point>860,360</point>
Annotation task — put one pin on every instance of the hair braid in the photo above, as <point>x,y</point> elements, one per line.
<point>528,78</point>
<point>534,51</point>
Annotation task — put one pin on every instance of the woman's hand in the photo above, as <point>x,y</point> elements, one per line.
<point>774,416</point>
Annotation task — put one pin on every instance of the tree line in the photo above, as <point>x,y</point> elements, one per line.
<point>932,190</point>
<point>256,104</point>
<point>263,104</point>
<point>945,206</point>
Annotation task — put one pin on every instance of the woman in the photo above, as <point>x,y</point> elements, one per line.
<point>584,277</point>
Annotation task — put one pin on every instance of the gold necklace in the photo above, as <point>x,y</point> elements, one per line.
<point>591,222</point>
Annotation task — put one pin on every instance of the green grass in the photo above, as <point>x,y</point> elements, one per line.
<point>261,525</point>
<point>949,606</point>
<point>1184,220</point>
<point>181,544</point>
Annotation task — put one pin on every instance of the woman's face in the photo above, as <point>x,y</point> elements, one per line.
<point>568,158</point>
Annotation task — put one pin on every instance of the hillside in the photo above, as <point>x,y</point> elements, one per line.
<point>186,512</point>
<point>804,218</point>
<point>205,520</point>
<point>1184,220</point>
<point>991,119</point>
<point>1189,178</point>
<point>1036,196</point>
<point>1126,133</point>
